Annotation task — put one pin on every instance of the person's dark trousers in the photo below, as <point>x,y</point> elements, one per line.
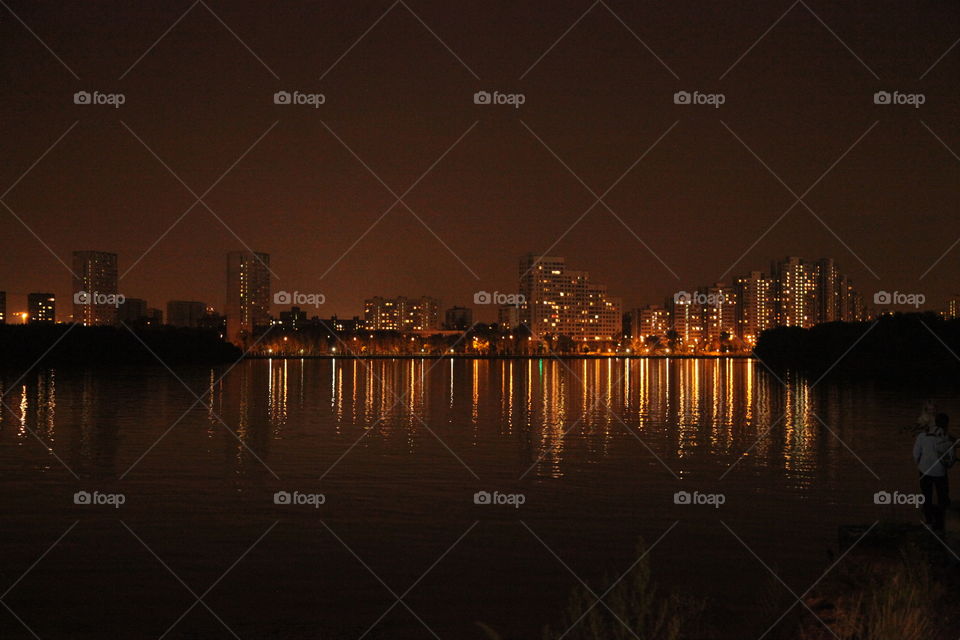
<point>934,513</point>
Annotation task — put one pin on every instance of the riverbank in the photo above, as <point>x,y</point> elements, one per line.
<point>896,347</point>
<point>72,344</point>
<point>468,356</point>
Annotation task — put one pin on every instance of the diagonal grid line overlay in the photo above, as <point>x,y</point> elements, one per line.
<point>618,19</point>
<point>399,599</point>
<point>399,399</point>
<point>578,421</point>
<point>599,199</point>
<point>799,599</point>
<point>399,199</point>
<point>18,180</point>
<point>597,599</point>
<point>24,575</point>
<point>818,19</point>
<point>957,241</point>
<point>799,199</point>
<point>41,41</point>
<point>606,406</point>
<point>199,198</point>
<point>199,599</point>
<point>617,581</point>
<point>199,400</point>
<point>22,418</point>
<point>774,423</point>
<point>178,20</point>
<point>417,17</point>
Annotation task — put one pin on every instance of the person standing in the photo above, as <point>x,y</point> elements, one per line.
<point>933,451</point>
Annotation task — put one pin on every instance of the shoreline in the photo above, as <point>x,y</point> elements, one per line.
<point>459,356</point>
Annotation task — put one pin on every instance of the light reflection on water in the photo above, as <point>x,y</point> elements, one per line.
<point>567,412</point>
<point>599,447</point>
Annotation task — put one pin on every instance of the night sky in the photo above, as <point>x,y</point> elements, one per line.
<point>496,185</point>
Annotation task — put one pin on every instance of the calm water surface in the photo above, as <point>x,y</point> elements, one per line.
<point>398,448</point>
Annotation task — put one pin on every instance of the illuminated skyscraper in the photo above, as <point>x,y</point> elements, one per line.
<point>828,290</point>
<point>686,317</point>
<point>41,307</point>
<point>719,311</point>
<point>796,292</point>
<point>557,301</point>
<point>248,294</point>
<point>756,306</point>
<point>95,276</point>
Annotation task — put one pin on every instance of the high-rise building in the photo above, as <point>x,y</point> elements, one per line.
<point>796,292</point>
<point>185,313</point>
<point>686,316</point>
<point>953,307</point>
<point>95,278</point>
<point>458,318</point>
<point>41,307</point>
<point>649,320</point>
<point>3,307</point>
<point>558,301</point>
<point>248,294</point>
<point>294,319</point>
<point>828,290</point>
<point>401,313</point>
<point>508,317</point>
<point>850,302</point>
<point>132,311</point>
<point>756,306</point>
<point>719,308</point>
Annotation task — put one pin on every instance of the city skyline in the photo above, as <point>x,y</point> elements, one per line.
<point>695,192</point>
<point>258,304</point>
